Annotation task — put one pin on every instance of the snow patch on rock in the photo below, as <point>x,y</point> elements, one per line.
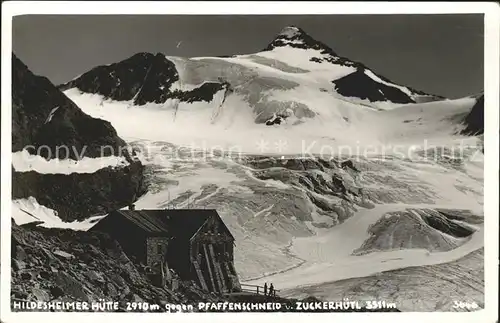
<point>23,161</point>
<point>28,210</point>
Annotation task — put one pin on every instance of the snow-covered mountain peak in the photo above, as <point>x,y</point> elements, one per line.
<point>290,31</point>
<point>296,78</point>
<point>296,37</point>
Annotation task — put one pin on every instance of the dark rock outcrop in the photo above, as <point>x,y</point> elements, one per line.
<point>356,84</point>
<point>143,78</point>
<point>125,80</point>
<point>79,196</point>
<point>447,225</point>
<point>43,117</point>
<point>295,37</point>
<point>474,121</point>
<point>276,119</point>
<point>360,85</point>
<point>204,92</point>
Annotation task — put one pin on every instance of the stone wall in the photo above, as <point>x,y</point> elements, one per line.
<point>156,250</point>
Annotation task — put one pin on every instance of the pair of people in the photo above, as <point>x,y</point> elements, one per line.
<point>271,290</point>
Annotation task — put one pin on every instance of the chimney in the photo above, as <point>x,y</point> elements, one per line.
<point>131,207</point>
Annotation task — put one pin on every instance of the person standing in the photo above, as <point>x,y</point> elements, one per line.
<point>265,289</point>
<point>271,290</point>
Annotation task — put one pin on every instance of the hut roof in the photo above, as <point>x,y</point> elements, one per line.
<point>180,223</point>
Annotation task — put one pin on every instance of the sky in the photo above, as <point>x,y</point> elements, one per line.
<point>438,54</point>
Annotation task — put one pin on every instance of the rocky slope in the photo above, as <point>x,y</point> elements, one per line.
<point>59,265</point>
<point>43,116</point>
<point>67,265</point>
<point>474,121</point>
<point>48,124</point>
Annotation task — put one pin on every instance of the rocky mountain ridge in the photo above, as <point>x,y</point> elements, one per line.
<point>474,121</point>
<point>47,123</point>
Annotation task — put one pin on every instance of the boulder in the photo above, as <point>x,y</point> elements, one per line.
<point>56,291</point>
<point>71,286</point>
<point>20,254</point>
<point>49,257</point>
<point>40,295</point>
<point>63,255</point>
<point>18,265</point>
<point>95,277</point>
<point>45,274</point>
